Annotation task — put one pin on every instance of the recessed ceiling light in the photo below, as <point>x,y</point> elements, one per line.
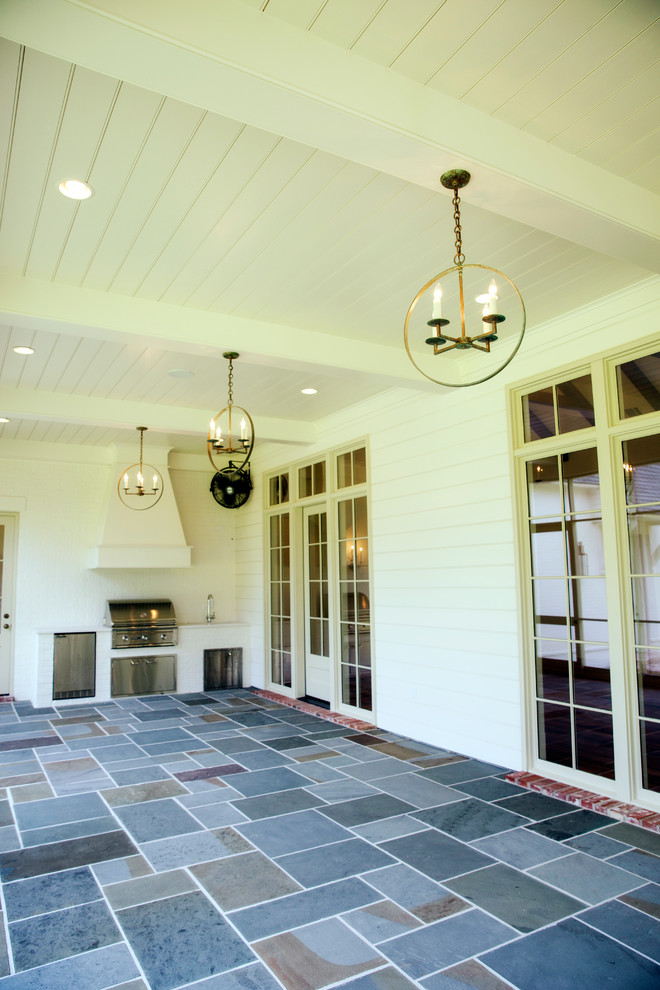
<point>181,373</point>
<point>23,350</point>
<point>309,391</point>
<point>75,189</point>
<point>3,419</point>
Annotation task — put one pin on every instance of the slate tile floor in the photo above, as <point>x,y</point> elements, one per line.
<point>225,842</point>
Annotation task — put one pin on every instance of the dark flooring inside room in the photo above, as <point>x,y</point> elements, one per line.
<point>227,842</point>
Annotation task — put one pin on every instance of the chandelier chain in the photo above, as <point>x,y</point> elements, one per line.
<point>459,257</point>
<point>230,384</point>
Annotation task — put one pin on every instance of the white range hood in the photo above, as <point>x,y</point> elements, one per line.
<point>140,539</point>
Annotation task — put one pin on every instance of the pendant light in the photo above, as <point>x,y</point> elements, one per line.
<point>140,486</point>
<point>475,312</point>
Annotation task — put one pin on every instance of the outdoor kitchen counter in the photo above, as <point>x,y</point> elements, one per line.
<point>193,639</point>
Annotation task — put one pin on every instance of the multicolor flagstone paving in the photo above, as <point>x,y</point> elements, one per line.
<point>231,841</point>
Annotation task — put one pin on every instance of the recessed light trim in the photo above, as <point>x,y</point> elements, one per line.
<point>181,373</point>
<point>309,391</point>
<point>75,189</point>
<point>23,349</point>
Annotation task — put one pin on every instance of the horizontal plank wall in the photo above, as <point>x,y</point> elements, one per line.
<point>447,654</point>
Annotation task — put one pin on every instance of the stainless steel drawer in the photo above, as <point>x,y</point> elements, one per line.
<point>143,675</point>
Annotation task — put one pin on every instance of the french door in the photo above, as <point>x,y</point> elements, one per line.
<point>318,667</point>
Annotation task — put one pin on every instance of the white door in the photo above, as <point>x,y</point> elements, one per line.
<point>317,624</point>
<point>7,538</point>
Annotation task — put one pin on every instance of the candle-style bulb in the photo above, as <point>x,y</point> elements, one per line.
<point>155,482</point>
<point>437,303</point>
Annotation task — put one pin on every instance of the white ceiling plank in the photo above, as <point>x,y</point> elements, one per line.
<point>298,13</point>
<point>11,65</point>
<point>88,103</point>
<point>60,359</point>
<point>76,367</point>
<point>41,99</point>
<point>191,176</point>
<point>396,24</point>
<point>554,35</point>
<point>132,115</point>
<point>605,94</point>
<point>196,283</point>
<point>488,45</point>
<point>624,135</point>
<point>341,22</point>
<point>173,126</point>
<point>276,231</point>
<point>436,40</point>
<point>604,40</point>
<point>237,163</point>
<point>307,90</point>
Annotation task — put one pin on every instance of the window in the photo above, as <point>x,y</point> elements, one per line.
<point>280,599</point>
<point>591,474</point>
<point>311,479</point>
<point>354,608</point>
<point>638,385</point>
<point>641,470</point>
<point>556,409</point>
<point>278,489</point>
<point>352,468</point>
<point>573,696</point>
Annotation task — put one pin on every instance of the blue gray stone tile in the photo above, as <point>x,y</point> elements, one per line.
<point>514,897</point>
<point>570,955</point>
<point>25,898</point>
<point>470,819</point>
<point>195,847</point>
<point>54,856</point>
<point>445,942</point>
<point>290,833</point>
<point>256,782</point>
<point>299,909</point>
<point>590,880</point>
<point>182,939</point>
<point>622,922</point>
<point>520,848</point>
<point>567,826</point>
<point>96,970</point>
<point>437,855</point>
<point>47,937</point>
<point>333,862</point>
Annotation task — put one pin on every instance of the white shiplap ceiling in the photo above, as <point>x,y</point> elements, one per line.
<point>266,179</point>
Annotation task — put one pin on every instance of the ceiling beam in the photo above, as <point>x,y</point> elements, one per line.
<point>123,414</point>
<point>236,61</point>
<point>37,304</point>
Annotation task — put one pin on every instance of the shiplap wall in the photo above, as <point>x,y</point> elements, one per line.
<point>60,523</point>
<point>445,599</point>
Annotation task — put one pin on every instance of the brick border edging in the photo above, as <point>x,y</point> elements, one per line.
<point>303,706</point>
<point>630,813</point>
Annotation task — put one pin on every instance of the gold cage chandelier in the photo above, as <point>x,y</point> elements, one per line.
<point>226,434</point>
<point>440,354</point>
<point>140,481</point>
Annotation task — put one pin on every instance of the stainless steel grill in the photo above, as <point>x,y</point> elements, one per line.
<point>142,623</point>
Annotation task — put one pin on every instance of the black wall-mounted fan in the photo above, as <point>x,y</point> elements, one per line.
<point>231,487</point>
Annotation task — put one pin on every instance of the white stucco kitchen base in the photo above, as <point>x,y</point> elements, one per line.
<point>193,640</point>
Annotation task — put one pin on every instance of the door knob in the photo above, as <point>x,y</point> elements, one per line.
<point>6,625</point>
